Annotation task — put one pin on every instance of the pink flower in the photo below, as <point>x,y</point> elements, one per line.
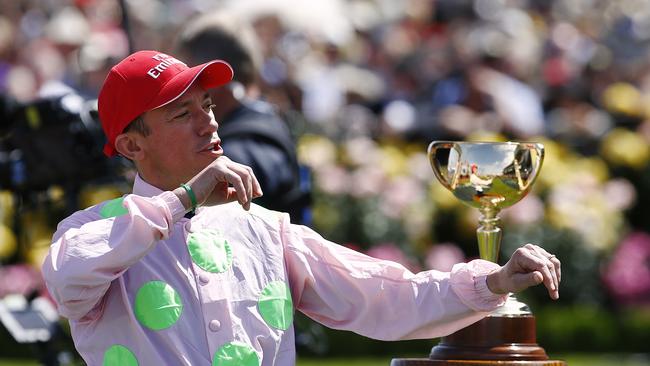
<point>627,275</point>
<point>367,181</point>
<point>399,194</point>
<point>620,194</point>
<point>443,256</point>
<point>19,279</point>
<point>332,179</point>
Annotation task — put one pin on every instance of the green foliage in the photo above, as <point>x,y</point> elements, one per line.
<point>589,328</point>
<point>344,219</point>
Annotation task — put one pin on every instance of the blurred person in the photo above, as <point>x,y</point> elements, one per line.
<point>515,102</point>
<point>177,273</point>
<point>252,133</point>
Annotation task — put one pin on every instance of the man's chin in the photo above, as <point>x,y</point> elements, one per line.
<point>212,154</point>
<point>205,159</point>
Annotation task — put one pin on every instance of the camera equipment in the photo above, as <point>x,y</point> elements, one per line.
<point>33,321</point>
<point>51,141</point>
<point>28,322</point>
<point>55,140</point>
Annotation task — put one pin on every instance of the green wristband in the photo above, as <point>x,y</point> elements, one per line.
<point>190,193</point>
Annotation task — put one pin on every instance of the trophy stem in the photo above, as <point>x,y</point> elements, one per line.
<point>489,233</point>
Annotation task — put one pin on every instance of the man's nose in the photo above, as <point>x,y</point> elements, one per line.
<point>206,123</point>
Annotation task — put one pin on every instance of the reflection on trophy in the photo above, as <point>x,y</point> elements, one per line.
<point>489,176</point>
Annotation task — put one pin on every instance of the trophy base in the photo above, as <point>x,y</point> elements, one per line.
<point>495,340</point>
<point>427,362</point>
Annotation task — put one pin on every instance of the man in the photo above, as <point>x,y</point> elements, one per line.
<point>252,133</point>
<point>143,284</point>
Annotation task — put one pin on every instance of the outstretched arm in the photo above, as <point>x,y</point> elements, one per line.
<point>345,289</point>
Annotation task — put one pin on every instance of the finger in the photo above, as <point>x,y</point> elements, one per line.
<point>257,188</point>
<point>224,158</point>
<point>558,268</point>
<point>231,195</point>
<point>547,271</point>
<point>233,178</point>
<point>530,262</point>
<point>556,263</point>
<point>255,184</point>
<point>244,173</point>
<point>545,256</point>
<point>222,193</point>
<point>523,281</point>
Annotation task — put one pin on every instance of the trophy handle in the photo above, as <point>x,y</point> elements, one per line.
<point>539,150</point>
<point>432,151</point>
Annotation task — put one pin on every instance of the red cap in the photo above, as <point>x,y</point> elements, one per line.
<point>148,80</point>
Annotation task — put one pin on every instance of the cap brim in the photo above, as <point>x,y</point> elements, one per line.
<point>210,74</point>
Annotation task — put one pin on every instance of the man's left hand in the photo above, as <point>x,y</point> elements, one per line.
<point>529,265</point>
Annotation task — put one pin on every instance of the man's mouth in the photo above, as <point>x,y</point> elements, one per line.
<point>214,146</point>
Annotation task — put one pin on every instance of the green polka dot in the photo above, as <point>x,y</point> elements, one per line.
<point>157,305</point>
<point>235,354</point>
<point>113,208</point>
<point>276,306</point>
<point>210,251</point>
<point>118,355</point>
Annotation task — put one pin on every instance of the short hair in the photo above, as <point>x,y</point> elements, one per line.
<point>138,125</point>
<point>219,35</point>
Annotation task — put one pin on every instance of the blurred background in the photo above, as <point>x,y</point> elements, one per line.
<point>364,86</point>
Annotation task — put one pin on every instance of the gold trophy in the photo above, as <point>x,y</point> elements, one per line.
<point>489,176</point>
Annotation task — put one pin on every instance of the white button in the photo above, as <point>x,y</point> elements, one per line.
<point>204,279</point>
<point>214,325</point>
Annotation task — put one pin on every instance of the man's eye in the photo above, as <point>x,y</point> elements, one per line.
<point>181,115</point>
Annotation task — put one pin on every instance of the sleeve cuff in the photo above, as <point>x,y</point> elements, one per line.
<point>174,205</point>
<point>469,282</point>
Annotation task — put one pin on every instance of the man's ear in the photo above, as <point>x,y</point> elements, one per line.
<point>128,145</point>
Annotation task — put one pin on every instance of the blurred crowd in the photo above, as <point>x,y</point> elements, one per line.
<point>365,85</point>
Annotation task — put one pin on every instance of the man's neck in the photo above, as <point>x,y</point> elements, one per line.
<point>155,180</point>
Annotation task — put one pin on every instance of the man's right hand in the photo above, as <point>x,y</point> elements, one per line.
<point>221,182</point>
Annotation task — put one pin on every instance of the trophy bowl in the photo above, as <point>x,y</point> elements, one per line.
<point>489,176</point>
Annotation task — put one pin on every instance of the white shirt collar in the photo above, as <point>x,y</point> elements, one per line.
<point>142,188</point>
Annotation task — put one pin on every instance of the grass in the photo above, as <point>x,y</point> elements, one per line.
<point>572,360</point>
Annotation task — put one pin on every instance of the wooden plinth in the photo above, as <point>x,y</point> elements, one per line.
<point>426,362</point>
<point>494,340</point>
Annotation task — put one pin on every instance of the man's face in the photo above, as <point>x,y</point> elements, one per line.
<point>182,141</point>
